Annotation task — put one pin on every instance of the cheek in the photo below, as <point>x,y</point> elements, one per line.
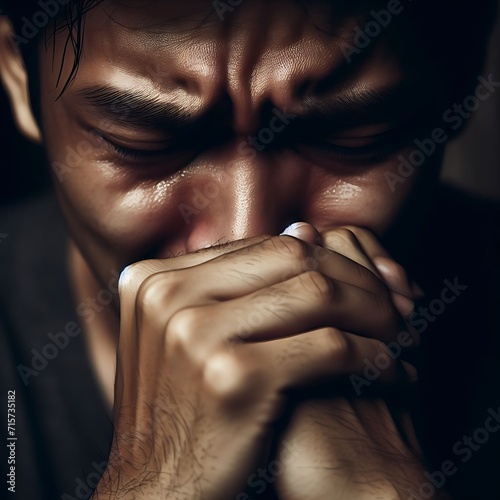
<point>371,199</point>
<point>98,200</point>
<point>110,205</point>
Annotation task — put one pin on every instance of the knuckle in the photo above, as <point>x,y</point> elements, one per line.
<point>359,231</point>
<point>183,330</point>
<point>318,285</point>
<point>339,346</point>
<point>228,378</point>
<point>347,236</point>
<point>154,292</point>
<point>291,247</point>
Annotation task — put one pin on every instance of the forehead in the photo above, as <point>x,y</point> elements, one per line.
<point>253,26</point>
<point>147,37</point>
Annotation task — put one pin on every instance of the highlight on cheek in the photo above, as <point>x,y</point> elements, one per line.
<point>348,191</point>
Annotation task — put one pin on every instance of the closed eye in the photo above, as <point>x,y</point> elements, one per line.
<point>358,148</point>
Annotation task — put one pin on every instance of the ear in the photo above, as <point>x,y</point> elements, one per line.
<point>14,78</point>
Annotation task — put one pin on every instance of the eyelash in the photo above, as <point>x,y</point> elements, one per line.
<point>363,153</point>
<point>135,154</point>
<point>382,146</point>
<point>389,142</point>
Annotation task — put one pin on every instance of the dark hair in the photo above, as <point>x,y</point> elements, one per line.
<point>453,34</point>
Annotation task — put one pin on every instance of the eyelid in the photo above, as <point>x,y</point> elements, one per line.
<point>130,143</point>
<point>133,153</point>
<point>365,131</point>
<point>374,148</point>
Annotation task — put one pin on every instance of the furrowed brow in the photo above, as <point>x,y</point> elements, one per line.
<point>137,109</point>
<point>357,106</point>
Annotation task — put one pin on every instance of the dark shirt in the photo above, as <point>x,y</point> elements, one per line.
<point>62,426</point>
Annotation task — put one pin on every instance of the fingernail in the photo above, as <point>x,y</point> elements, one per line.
<point>123,277</point>
<point>411,371</point>
<point>291,228</point>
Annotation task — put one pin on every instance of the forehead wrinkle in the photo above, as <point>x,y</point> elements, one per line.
<point>265,39</point>
<point>188,23</point>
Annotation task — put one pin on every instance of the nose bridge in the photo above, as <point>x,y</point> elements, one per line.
<point>243,195</point>
<point>234,205</point>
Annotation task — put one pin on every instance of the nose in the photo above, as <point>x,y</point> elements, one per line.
<point>268,57</point>
<point>242,196</point>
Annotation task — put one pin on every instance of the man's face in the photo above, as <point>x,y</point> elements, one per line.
<point>182,130</point>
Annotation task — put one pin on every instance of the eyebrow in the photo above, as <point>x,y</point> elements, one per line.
<point>348,107</point>
<point>361,105</point>
<point>139,109</point>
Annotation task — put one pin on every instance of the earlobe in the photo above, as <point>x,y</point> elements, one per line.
<point>15,81</point>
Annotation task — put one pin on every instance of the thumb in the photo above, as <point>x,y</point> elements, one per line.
<point>305,232</point>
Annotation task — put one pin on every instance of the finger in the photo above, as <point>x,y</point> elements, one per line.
<point>353,243</point>
<point>272,261</point>
<point>362,246</point>
<point>135,275</point>
<point>305,302</point>
<point>393,273</point>
<point>344,241</point>
<point>328,354</point>
<point>145,268</point>
<point>140,296</point>
<point>305,232</point>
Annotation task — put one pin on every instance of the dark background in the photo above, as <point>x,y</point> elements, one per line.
<point>22,166</point>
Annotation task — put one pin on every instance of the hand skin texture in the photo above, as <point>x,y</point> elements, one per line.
<point>212,342</point>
